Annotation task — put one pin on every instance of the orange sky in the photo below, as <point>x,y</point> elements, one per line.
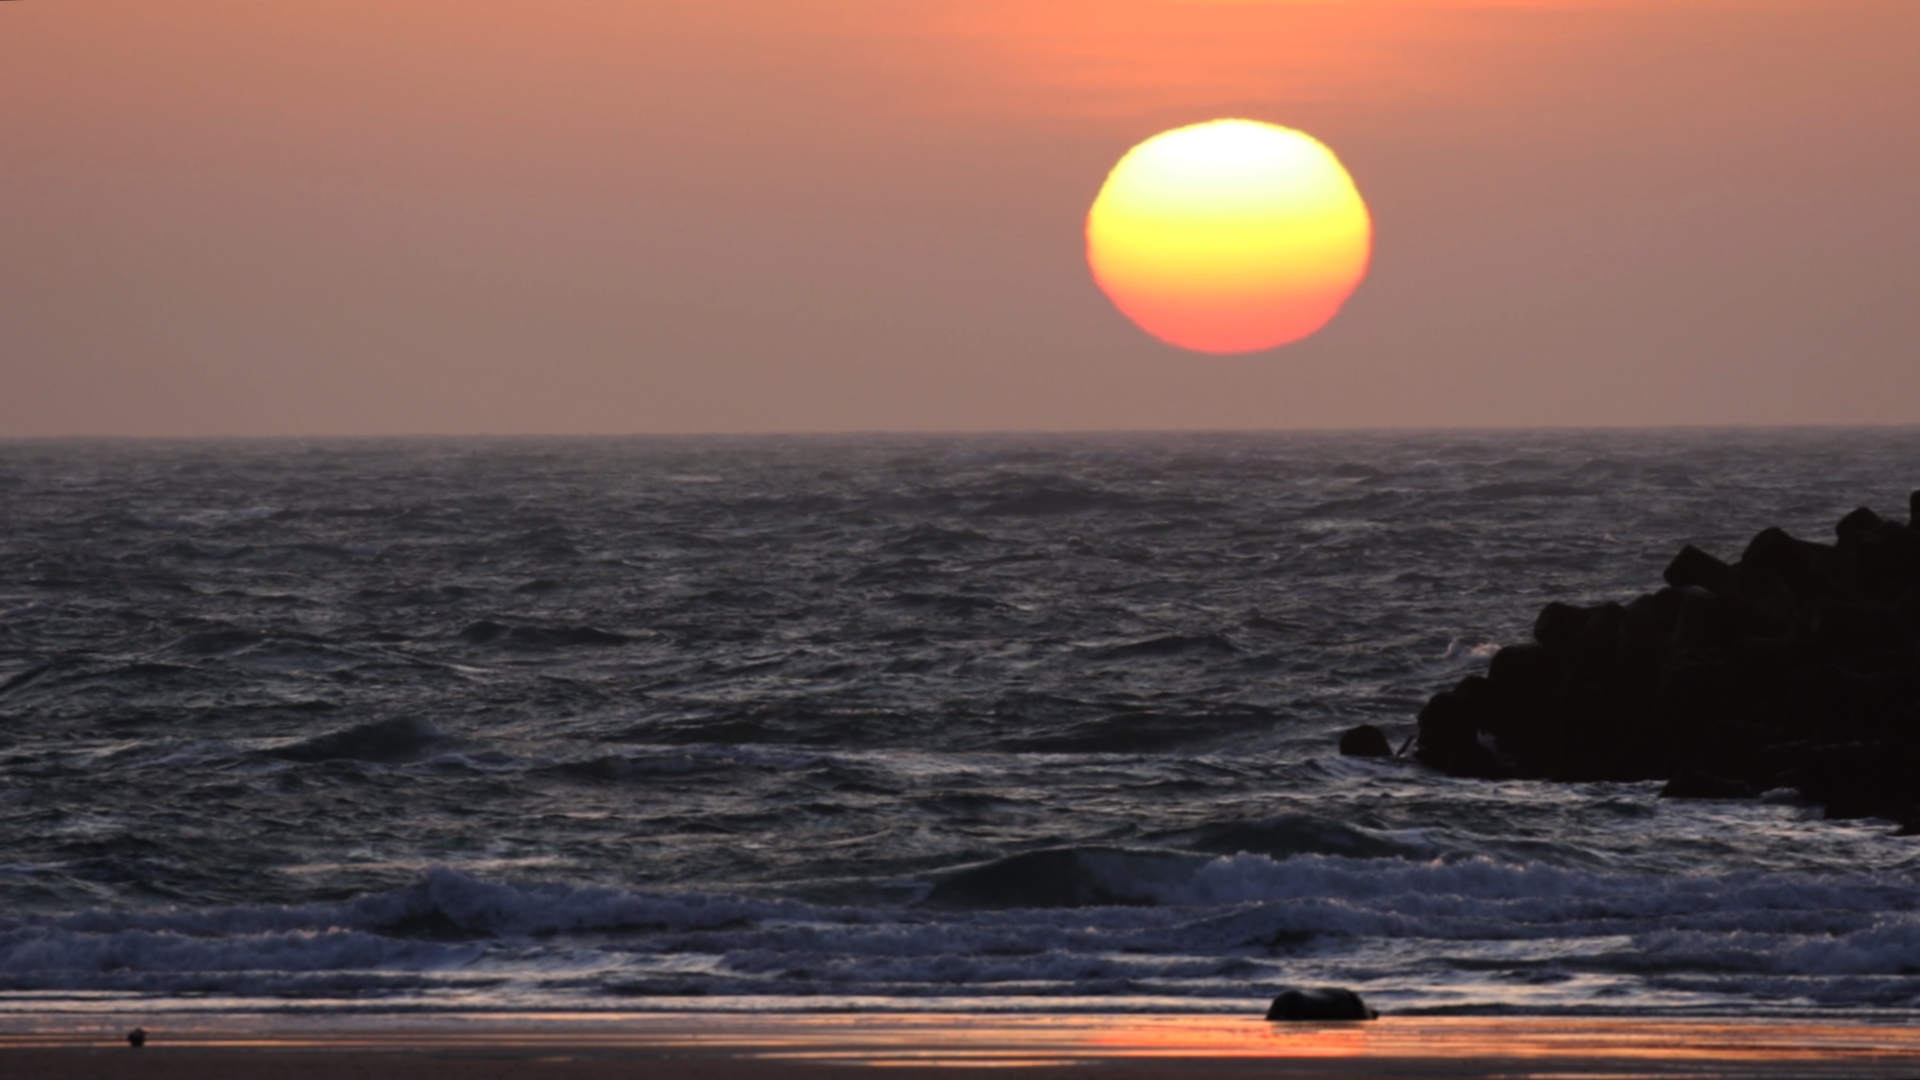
<point>419,216</point>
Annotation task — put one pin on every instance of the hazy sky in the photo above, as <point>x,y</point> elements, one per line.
<point>430,216</point>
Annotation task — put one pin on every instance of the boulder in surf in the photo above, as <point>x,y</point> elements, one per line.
<point>1319,1003</point>
<point>1365,741</point>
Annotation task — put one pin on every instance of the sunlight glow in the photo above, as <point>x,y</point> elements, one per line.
<point>1229,236</point>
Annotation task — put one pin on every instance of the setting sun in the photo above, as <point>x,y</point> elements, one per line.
<point>1229,236</point>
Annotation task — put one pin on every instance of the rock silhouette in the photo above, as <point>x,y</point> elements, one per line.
<point>1796,665</point>
<point>1320,1003</point>
<point>1365,741</point>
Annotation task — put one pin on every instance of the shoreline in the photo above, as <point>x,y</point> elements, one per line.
<point>731,1046</point>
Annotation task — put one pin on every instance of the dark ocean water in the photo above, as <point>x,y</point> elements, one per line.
<point>879,722</point>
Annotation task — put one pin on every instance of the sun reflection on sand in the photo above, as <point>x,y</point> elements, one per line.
<point>1585,1045</point>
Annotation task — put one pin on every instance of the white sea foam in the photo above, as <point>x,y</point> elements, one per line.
<point>1226,929</point>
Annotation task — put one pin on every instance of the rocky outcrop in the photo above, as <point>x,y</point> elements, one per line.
<point>1796,665</point>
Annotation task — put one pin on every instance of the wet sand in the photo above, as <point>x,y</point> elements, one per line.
<point>823,1047</point>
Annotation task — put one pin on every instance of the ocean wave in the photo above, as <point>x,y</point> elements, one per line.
<point>1166,924</point>
<point>1134,732</point>
<point>488,632</point>
<point>916,716</point>
<point>399,738</point>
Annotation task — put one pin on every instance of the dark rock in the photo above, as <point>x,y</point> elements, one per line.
<point>1707,620</point>
<point>1888,558</point>
<point>1450,728</point>
<point>1365,741</point>
<point>1646,634</point>
<point>1774,550</point>
<point>1532,666</point>
<point>1864,779</point>
<point>1693,567</point>
<point>1525,681</point>
<point>1797,665</point>
<point>1560,624</point>
<point>1861,626</point>
<point>137,1038</point>
<point>1771,603</point>
<point>1857,524</point>
<point>1599,641</point>
<point>1690,784</point>
<point>1320,1003</point>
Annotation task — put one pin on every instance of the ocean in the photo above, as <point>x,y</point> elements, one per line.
<point>962,723</point>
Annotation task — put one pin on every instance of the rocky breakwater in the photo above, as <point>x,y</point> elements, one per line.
<point>1795,666</point>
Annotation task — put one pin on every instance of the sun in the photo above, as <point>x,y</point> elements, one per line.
<point>1229,236</point>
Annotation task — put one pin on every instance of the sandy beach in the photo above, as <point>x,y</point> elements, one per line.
<point>717,1046</point>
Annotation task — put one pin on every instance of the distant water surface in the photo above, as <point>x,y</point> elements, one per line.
<point>880,722</point>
